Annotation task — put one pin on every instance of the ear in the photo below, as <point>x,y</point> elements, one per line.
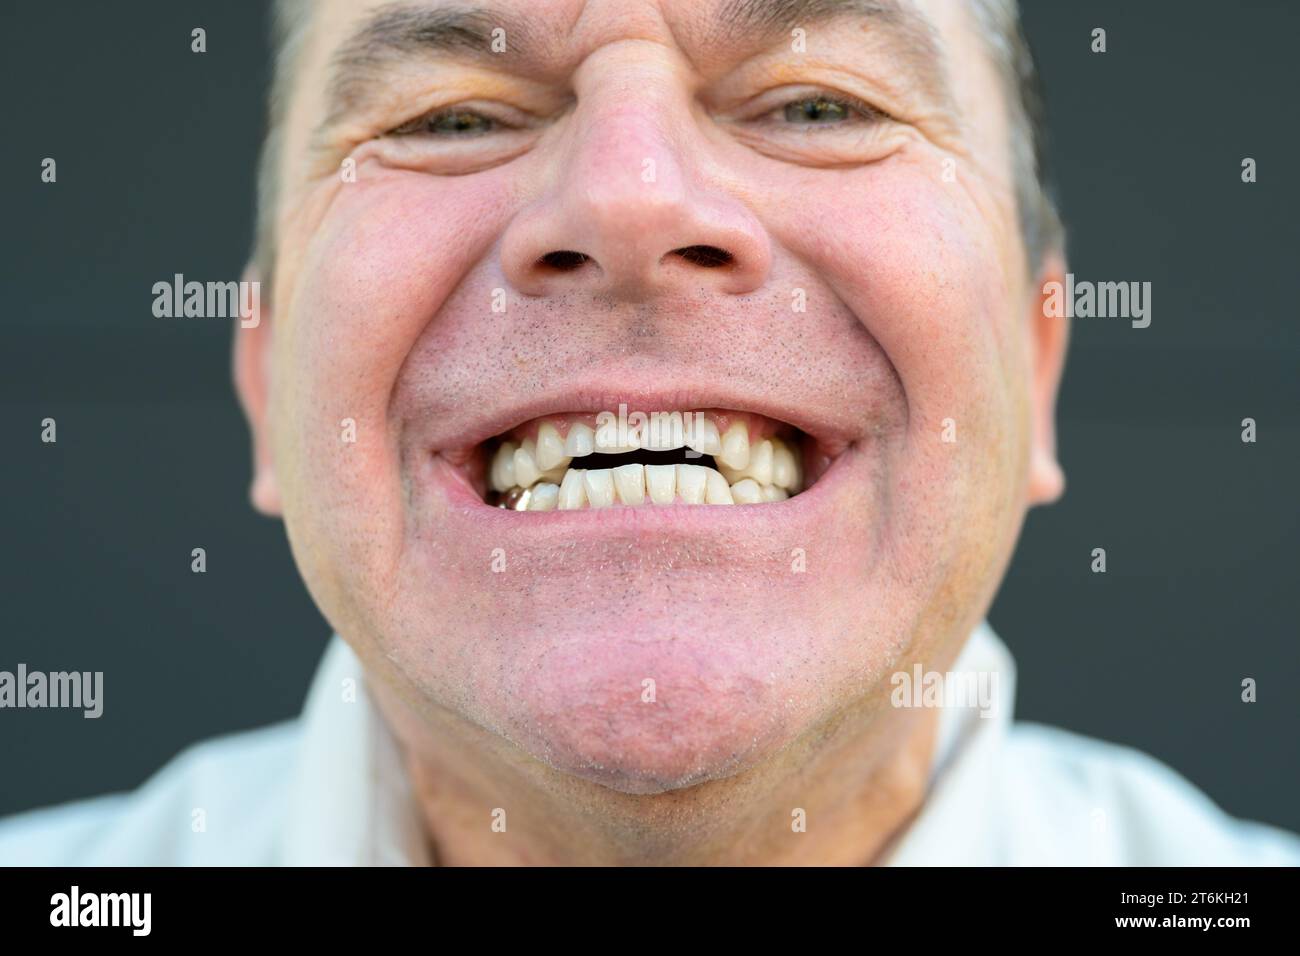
<point>1048,337</point>
<point>252,374</point>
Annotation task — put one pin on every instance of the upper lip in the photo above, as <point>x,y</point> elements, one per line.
<point>644,393</point>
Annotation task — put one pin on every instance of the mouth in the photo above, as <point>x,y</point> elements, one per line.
<point>594,460</point>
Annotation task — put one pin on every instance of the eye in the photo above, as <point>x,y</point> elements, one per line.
<point>455,139</point>
<point>455,122</point>
<point>816,127</point>
<point>821,110</point>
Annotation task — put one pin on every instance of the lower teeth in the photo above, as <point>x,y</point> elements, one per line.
<point>635,485</point>
<point>516,499</point>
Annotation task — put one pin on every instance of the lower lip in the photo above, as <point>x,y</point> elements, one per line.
<point>806,507</point>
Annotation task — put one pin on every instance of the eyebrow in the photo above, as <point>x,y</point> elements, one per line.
<point>403,32</point>
<point>911,32</point>
<point>775,16</point>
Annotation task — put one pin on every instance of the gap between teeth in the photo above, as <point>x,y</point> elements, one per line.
<point>637,484</point>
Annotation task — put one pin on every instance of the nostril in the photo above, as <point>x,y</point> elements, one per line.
<point>709,257</point>
<point>563,261</point>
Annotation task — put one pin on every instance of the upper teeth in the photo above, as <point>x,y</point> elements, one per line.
<point>580,441</point>
<point>538,476</point>
<point>550,447</point>
<point>734,452</point>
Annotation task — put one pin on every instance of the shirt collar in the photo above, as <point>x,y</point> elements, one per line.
<point>351,802</point>
<point>954,825</point>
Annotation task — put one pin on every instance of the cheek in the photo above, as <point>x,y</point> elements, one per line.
<point>921,268</point>
<point>382,262</point>
<point>382,259</point>
<point>919,263</point>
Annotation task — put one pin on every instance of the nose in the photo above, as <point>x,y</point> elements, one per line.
<point>631,214</point>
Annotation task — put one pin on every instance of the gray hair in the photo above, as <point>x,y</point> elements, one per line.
<point>289,21</point>
<point>998,21</point>
<point>1040,222</point>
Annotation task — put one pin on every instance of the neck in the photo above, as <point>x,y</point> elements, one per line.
<point>835,797</point>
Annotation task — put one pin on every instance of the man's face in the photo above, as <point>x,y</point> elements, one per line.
<point>800,225</point>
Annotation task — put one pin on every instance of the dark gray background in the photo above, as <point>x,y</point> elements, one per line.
<point>155,148</point>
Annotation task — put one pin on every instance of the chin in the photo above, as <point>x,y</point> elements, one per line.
<point>658,705</point>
